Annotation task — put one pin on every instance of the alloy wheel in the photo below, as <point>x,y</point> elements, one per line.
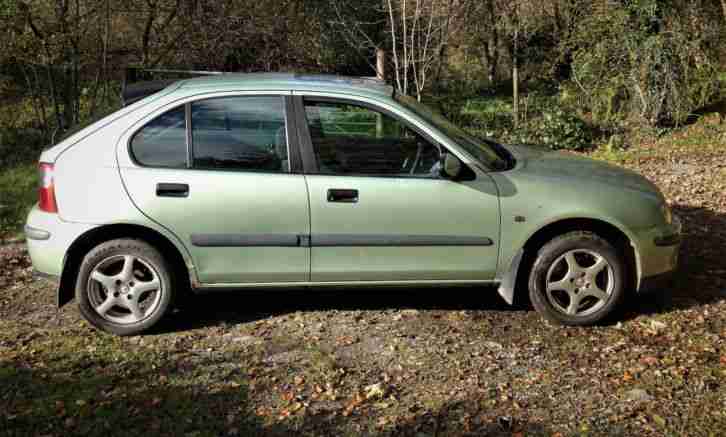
<point>124,289</point>
<point>579,282</point>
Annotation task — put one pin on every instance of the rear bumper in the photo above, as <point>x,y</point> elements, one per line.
<point>48,239</point>
<point>50,278</point>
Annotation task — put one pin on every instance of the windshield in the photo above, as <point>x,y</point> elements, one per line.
<point>488,152</point>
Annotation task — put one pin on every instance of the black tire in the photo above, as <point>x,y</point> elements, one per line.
<point>553,252</point>
<point>145,260</point>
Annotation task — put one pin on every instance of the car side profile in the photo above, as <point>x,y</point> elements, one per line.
<point>248,181</point>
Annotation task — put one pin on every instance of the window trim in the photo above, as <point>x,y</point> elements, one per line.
<point>310,164</point>
<point>188,121</point>
<point>293,148</point>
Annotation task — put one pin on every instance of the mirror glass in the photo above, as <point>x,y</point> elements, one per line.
<point>451,166</point>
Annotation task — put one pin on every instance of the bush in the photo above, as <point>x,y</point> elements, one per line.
<point>21,140</point>
<point>544,121</point>
<point>630,64</point>
<point>17,194</point>
<point>557,130</point>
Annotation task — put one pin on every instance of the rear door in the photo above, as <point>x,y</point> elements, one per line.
<point>219,172</point>
<point>379,210</point>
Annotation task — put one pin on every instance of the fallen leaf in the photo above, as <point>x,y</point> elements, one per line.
<point>649,360</point>
<point>374,391</point>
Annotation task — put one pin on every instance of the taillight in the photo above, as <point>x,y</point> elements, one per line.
<point>46,192</point>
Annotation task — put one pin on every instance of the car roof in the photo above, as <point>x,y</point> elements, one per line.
<point>288,81</point>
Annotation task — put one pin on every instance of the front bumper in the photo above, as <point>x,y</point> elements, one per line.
<point>659,249</point>
<point>657,283</point>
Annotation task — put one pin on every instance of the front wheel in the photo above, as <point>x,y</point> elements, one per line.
<point>577,279</point>
<point>124,286</point>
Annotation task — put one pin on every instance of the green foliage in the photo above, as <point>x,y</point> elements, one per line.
<point>544,122</point>
<point>491,114</point>
<point>20,140</point>
<point>20,145</point>
<point>632,64</point>
<point>17,195</point>
<point>556,129</point>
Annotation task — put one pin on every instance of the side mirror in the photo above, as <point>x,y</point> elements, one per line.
<point>450,167</point>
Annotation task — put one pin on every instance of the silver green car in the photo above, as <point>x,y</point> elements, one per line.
<point>280,180</point>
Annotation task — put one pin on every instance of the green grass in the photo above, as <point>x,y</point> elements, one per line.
<point>18,193</point>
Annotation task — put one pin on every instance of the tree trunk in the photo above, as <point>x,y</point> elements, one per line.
<point>146,35</point>
<point>515,89</point>
<point>491,45</point>
<point>515,77</point>
<point>491,53</point>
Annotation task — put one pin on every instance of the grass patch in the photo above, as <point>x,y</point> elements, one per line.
<point>18,193</point>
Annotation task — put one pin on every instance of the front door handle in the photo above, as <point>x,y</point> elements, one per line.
<point>342,195</point>
<point>172,190</point>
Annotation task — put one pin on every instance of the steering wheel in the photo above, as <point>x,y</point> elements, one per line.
<point>417,159</point>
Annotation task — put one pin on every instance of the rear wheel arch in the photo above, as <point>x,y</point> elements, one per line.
<point>92,238</point>
<point>603,229</point>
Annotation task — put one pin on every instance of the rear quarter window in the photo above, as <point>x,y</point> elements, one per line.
<point>162,141</point>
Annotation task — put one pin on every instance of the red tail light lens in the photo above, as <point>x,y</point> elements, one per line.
<point>46,192</point>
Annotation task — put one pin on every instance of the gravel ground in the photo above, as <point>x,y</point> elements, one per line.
<point>383,362</point>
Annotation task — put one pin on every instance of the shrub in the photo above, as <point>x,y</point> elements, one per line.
<point>556,129</point>
<point>17,194</point>
<point>544,121</point>
<point>631,64</point>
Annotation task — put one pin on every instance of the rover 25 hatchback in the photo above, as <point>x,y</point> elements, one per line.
<point>281,180</point>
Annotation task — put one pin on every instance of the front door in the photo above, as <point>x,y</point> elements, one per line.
<point>217,173</point>
<point>379,210</point>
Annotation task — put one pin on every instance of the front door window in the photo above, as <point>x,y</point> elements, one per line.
<point>357,141</point>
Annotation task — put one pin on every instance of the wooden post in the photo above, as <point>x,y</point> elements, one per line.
<point>380,75</point>
<point>381,64</point>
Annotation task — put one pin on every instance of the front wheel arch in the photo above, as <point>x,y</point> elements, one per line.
<point>518,271</point>
<point>92,238</point>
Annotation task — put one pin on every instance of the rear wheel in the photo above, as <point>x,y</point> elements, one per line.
<point>577,279</point>
<point>124,286</point>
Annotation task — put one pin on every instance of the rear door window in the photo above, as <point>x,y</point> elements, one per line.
<point>240,133</point>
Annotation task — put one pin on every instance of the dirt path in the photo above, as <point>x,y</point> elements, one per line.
<point>418,363</point>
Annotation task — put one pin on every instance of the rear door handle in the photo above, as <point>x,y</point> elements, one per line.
<point>172,190</point>
<point>342,195</point>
